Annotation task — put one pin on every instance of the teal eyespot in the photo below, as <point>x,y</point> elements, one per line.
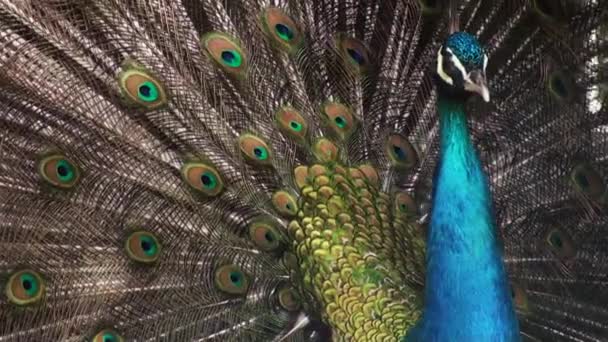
<point>148,92</point>
<point>107,335</point>
<point>260,152</point>
<point>281,29</point>
<point>143,247</point>
<point>232,280</point>
<point>232,58</point>
<point>401,153</point>
<point>265,235</point>
<point>340,121</point>
<point>25,287</point>
<point>296,126</point>
<point>225,51</point>
<point>203,178</point>
<point>58,171</point>
<point>255,149</point>
<point>354,52</point>
<point>140,88</point>
<point>341,118</point>
<point>291,123</point>
<point>284,32</point>
<point>284,203</point>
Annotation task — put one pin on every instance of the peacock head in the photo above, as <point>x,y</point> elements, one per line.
<point>461,67</point>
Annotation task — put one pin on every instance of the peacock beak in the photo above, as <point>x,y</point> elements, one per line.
<point>476,83</point>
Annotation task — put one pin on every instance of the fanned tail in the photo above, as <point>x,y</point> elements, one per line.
<point>149,157</point>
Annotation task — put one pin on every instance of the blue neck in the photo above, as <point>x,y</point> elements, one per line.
<point>467,294</point>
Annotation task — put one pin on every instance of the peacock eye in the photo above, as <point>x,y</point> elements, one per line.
<point>232,58</point>
<point>107,335</point>
<point>264,235</point>
<point>281,29</point>
<point>560,243</point>
<point>341,118</point>
<point>401,153</point>
<point>255,149</point>
<point>143,247</point>
<point>289,299</point>
<point>354,51</point>
<point>226,52</point>
<point>58,171</point>
<point>291,123</point>
<point>232,280</point>
<point>285,204</point>
<point>587,181</point>
<point>404,204</point>
<point>25,287</point>
<point>140,88</point>
<point>202,178</point>
<point>561,86</point>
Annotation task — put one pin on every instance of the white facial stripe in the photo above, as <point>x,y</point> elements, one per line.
<point>444,76</point>
<point>459,66</point>
<point>485,63</point>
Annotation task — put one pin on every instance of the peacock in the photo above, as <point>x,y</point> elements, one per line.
<point>323,170</point>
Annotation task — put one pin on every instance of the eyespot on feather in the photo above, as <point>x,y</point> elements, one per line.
<point>232,280</point>
<point>560,243</point>
<point>107,335</point>
<point>561,86</point>
<point>340,118</point>
<point>25,287</point>
<point>354,52</point>
<point>289,299</point>
<point>285,204</point>
<point>401,153</point>
<point>58,171</point>
<point>255,150</point>
<point>292,123</point>
<point>587,181</point>
<point>226,51</point>
<point>404,204</point>
<point>282,30</point>
<point>143,247</point>
<point>203,178</point>
<point>140,88</point>
<point>325,150</point>
<point>264,235</point>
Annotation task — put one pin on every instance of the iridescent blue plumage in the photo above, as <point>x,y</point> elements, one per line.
<point>467,295</point>
<point>466,48</point>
